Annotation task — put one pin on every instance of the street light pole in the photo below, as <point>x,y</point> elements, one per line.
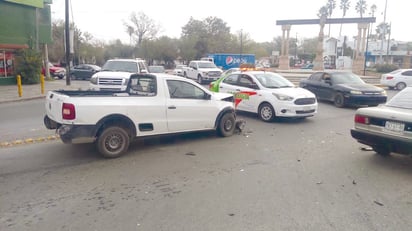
<point>241,46</point>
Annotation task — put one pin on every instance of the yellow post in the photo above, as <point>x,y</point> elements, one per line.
<point>19,88</point>
<point>42,84</point>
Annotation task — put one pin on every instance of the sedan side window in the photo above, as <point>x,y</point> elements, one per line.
<point>245,81</point>
<point>407,73</point>
<point>184,90</point>
<point>231,79</point>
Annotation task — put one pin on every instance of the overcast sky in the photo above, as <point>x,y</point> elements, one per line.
<point>104,19</point>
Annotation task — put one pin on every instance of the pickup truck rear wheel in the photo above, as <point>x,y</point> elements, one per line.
<point>227,125</point>
<point>113,142</point>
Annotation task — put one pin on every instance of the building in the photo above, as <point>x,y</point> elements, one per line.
<point>24,24</point>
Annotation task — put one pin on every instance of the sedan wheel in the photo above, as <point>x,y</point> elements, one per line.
<point>266,112</point>
<point>339,100</point>
<point>400,86</point>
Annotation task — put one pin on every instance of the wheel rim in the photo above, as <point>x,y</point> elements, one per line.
<point>266,113</point>
<point>400,86</point>
<point>114,142</point>
<point>228,125</point>
<point>338,100</point>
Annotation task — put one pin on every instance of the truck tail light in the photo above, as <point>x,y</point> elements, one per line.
<point>360,119</point>
<point>68,111</point>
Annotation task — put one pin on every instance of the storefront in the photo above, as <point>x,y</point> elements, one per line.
<point>7,62</point>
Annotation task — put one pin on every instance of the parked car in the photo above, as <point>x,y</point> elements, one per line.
<point>84,71</point>
<point>179,70</point>
<point>388,127</point>
<point>343,89</point>
<point>55,71</point>
<point>156,69</point>
<point>398,79</point>
<point>267,94</point>
<point>307,66</point>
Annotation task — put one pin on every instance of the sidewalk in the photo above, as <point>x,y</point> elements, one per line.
<point>9,93</point>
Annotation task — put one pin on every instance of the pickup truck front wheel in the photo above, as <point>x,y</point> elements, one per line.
<point>227,125</point>
<point>113,142</point>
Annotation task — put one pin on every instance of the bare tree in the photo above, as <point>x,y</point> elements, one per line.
<point>143,27</point>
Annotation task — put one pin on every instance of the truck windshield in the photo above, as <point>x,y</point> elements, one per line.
<point>120,66</point>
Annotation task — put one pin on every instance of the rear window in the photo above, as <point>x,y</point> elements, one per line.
<point>402,100</point>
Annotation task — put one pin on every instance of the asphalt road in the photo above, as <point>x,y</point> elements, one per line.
<point>285,175</point>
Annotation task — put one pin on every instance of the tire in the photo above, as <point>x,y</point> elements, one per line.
<point>266,112</point>
<point>184,74</point>
<point>199,79</point>
<point>400,86</point>
<point>382,151</point>
<point>227,125</point>
<point>339,100</point>
<point>113,142</point>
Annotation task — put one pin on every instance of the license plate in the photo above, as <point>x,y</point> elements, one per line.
<point>394,126</point>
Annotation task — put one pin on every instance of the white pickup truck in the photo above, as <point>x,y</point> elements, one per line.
<point>152,104</point>
<point>202,71</point>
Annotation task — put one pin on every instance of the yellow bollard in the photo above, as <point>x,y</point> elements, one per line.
<point>19,88</point>
<point>42,83</point>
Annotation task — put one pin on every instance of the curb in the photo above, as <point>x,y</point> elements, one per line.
<point>13,143</point>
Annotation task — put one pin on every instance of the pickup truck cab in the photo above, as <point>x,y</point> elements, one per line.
<point>202,71</point>
<point>152,104</point>
<point>115,74</point>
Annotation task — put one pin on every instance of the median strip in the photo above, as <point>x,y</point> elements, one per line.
<point>28,141</point>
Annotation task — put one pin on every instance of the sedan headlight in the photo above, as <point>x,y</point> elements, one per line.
<point>283,97</point>
<point>93,80</point>
<point>354,92</point>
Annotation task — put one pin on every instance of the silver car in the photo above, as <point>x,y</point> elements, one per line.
<point>388,127</point>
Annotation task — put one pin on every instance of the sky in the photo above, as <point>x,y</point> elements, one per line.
<point>104,19</point>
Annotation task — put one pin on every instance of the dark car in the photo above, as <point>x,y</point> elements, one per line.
<point>343,89</point>
<point>388,127</point>
<point>84,71</point>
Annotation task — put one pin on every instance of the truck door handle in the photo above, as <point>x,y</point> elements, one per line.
<point>171,107</point>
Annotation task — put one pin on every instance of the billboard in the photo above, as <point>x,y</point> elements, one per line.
<point>34,3</point>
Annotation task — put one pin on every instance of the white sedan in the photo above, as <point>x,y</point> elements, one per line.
<point>388,127</point>
<point>267,94</point>
<point>398,79</point>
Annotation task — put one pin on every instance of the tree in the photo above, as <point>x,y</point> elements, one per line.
<point>318,63</point>
<point>344,6</point>
<point>331,4</point>
<point>143,27</point>
<point>361,7</point>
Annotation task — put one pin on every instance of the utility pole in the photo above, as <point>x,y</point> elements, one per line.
<point>384,31</point>
<point>241,46</point>
<point>67,42</point>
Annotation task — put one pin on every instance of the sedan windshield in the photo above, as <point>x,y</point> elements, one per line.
<point>346,78</point>
<point>271,80</point>
<point>402,100</point>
